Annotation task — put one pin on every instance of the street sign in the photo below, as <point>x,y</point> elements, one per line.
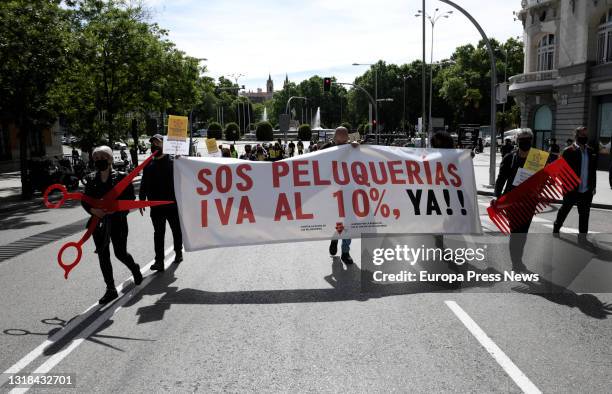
<point>283,122</point>
<point>211,145</point>
<point>177,127</point>
<point>175,146</point>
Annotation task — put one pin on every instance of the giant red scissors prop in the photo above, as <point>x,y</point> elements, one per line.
<point>108,203</point>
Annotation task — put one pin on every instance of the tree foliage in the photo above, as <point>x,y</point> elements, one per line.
<point>264,131</point>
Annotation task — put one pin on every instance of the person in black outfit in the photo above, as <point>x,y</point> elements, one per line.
<point>158,184</point>
<point>583,160</point>
<point>113,227</point>
<point>507,171</point>
<point>506,148</point>
<point>341,137</point>
<point>554,150</point>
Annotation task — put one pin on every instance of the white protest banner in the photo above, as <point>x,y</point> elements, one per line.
<point>340,192</point>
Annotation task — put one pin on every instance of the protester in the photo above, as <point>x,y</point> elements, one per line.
<point>506,148</point>
<point>554,150</point>
<point>247,155</point>
<point>75,156</point>
<point>504,184</point>
<point>113,227</point>
<point>300,147</point>
<point>291,149</point>
<point>233,151</point>
<point>341,138</point>
<point>569,142</point>
<point>157,184</point>
<point>225,152</point>
<point>260,154</point>
<point>583,160</point>
<point>442,140</point>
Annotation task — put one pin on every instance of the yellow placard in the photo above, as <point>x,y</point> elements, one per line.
<point>536,160</point>
<point>177,127</point>
<point>211,145</point>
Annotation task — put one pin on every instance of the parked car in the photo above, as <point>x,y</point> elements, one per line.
<point>118,145</point>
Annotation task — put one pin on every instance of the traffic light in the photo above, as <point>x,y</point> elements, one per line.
<point>327,82</point>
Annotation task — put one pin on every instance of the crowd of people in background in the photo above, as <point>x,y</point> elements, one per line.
<point>271,151</point>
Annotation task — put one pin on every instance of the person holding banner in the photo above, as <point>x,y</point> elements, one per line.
<point>510,165</point>
<point>113,227</point>
<point>583,160</point>
<point>158,184</point>
<point>341,137</point>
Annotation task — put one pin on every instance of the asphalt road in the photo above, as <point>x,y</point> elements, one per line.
<point>284,317</point>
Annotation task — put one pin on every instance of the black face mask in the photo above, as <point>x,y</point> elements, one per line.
<point>582,140</point>
<point>101,165</point>
<point>524,144</point>
<point>155,149</point>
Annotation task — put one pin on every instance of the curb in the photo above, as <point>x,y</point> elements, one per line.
<point>593,205</point>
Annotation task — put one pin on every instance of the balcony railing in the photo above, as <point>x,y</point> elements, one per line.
<point>548,75</point>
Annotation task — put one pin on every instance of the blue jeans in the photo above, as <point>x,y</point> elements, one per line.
<point>346,245</point>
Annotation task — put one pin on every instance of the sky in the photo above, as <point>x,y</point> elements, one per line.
<point>320,37</point>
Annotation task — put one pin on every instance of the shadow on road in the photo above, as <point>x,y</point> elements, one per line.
<point>60,324</point>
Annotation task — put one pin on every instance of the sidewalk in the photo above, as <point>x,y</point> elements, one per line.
<point>602,198</point>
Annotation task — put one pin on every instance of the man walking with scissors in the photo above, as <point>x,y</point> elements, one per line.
<point>158,184</point>
<point>113,227</point>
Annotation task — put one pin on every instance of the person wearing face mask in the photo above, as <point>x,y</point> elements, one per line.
<point>157,183</point>
<point>113,227</point>
<point>583,160</point>
<point>507,171</point>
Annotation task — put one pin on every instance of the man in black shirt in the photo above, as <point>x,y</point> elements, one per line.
<point>506,148</point>
<point>158,184</point>
<point>341,137</point>
<point>507,171</point>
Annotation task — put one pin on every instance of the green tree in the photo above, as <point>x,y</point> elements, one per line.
<point>304,133</point>
<point>231,132</point>
<point>215,130</point>
<point>264,131</point>
<point>34,39</point>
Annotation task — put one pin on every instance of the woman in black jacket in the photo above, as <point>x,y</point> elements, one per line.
<point>113,227</point>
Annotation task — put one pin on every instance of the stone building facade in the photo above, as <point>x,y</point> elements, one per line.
<point>567,78</point>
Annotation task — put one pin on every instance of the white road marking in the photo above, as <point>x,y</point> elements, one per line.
<point>521,380</point>
<point>39,350</point>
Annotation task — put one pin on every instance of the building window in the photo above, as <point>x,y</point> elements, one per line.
<point>605,120</point>
<point>546,53</point>
<point>604,38</point>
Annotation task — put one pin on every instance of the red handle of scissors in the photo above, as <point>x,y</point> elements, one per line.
<point>66,195</point>
<point>78,246</point>
<point>126,205</point>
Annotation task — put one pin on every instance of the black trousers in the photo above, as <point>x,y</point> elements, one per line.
<point>112,229</point>
<point>517,241</point>
<point>583,201</point>
<point>159,216</point>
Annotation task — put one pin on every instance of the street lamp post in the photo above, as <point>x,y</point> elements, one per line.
<point>493,84</point>
<point>432,19</point>
<point>404,104</point>
<point>369,97</point>
<point>374,66</point>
